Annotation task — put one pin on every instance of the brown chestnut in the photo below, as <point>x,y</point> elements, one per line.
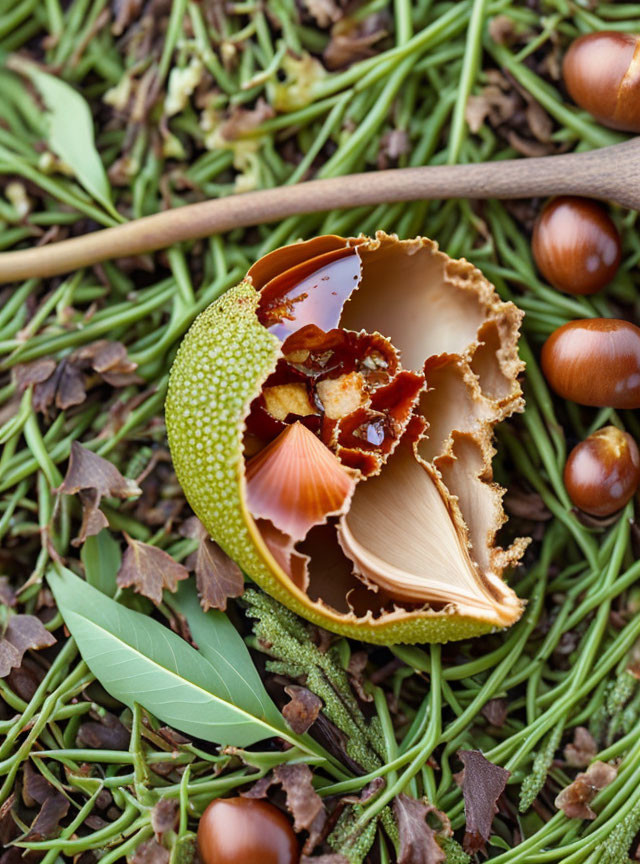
<point>602,74</point>
<point>602,473</point>
<point>243,830</point>
<point>576,245</point>
<point>595,361</point>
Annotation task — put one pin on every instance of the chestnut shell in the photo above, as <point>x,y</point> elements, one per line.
<point>602,74</point>
<point>576,246</point>
<point>602,472</point>
<point>595,361</point>
<point>243,830</point>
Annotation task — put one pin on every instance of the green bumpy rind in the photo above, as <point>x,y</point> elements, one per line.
<point>218,371</point>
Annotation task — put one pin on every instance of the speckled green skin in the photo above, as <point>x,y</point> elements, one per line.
<point>219,369</point>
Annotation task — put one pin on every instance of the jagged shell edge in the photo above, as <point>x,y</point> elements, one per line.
<point>219,369</point>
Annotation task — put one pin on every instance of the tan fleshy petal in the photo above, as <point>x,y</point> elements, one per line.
<point>296,482</point>
<point>400,533</point>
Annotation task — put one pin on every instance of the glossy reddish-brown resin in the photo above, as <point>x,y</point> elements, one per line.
<point>595,361</point>
<point>602,473</point>
<point>576,245</point>
<point>246,831</point>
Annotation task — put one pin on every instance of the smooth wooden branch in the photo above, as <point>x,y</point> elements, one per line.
<point>610,173</point>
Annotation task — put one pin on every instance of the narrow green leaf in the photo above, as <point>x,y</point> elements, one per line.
<point>136,659</point>
<point>101,558</point>
<point>216,637</point>
<point>70,133</point>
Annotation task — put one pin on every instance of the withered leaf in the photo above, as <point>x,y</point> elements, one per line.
<point>108,734</point>
<point>109,360</point>
<point>47,822</point>
<point>418,843</point>
<point>496,711</point>
<point>23,632</point>
<point>64,388</point>
<point>368,793</point>
<point>303,802</point>
<point>482,784</point>
<point>303,709</point>
<point>217,577</point>
<point>8,827</point>
<point>54,806</point>
<point>87,470</point>
<point>149,570</point>
<point>150,852</point>
<point>94,478</point>
<point>354,40</point>
<point>574,800</point>
<point>583,749</point>
<point>244,120</point>
<point>25,374</point>
<point>164,816</point>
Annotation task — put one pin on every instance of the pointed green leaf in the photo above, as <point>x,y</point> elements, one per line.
<point>136,659</point>
<point>71,133</point>
<point>101,557</point>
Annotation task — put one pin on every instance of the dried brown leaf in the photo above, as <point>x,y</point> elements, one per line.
<point>107,734</point>
<point>218,578</point>
<point>54,806</point>
<point>496,711</point>
<point>354,40</point>
<point>418,840</point>
<point>149,570</point>
<point>303,802</point>
<point>583,749</point>
<point>87,470</point>
<point>355,670</point>
<point>25,374</point>
<point>164,816</point>
<point>303,709</point>
<point>574,800</point>
<point>150,852</point>
<point>22,633</point>
<point>482,784</point>
<point>109,360</point>
<point>93,478</point>
<point>244,120</point>
<point>65,388</point>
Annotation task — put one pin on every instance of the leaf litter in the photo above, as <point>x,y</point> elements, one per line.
<point>105,390</point>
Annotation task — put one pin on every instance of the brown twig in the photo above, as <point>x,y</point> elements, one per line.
<point>608,173</point>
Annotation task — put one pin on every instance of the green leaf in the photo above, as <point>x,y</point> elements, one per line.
<point>101,557</point>
<point>71,133</point>
<point>136,659</point>
<point>216,637</point>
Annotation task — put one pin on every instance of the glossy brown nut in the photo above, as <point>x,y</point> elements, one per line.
<point>576,245</point>
<point>595,361</point>
<point>243,831</point>
<point>602,473</point>
<point>602,74</point>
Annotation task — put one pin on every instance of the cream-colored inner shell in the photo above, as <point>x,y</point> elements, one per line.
<point>420,533</point>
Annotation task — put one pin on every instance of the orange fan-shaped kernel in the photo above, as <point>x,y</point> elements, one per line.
<point>296,482</point>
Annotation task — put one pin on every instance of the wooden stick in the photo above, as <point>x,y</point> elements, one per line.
<point>610,173</point>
